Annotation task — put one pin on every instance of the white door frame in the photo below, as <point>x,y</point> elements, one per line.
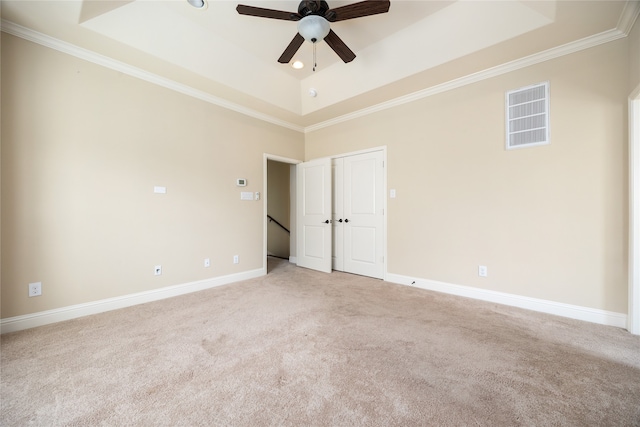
<point>265,158</point>
<point>633,316</point>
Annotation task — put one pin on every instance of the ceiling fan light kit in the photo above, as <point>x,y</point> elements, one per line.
<point>313,28</point>
<point>314,18</point>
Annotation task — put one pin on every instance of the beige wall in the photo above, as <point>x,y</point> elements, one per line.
<point>278,207</point>
<point>634,56</point>
<point>549,222</point>
<point>82,148</point>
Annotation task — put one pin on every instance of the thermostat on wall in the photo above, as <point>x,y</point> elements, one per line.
<point>241,182</point>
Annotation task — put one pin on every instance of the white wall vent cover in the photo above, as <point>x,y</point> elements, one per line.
<point>527,118</point>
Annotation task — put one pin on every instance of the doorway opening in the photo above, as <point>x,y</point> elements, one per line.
<point>279,208</point>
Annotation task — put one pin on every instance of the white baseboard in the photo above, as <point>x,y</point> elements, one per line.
<point>587,314</point>
<point>293,260</point>
<point>18,323</point>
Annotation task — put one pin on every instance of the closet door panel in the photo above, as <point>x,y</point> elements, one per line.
<point>314,215</point>
<point>363,214</point>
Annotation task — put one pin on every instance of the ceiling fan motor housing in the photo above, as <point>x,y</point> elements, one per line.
<point>310,7</point>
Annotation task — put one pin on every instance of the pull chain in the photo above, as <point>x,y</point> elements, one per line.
<point>314,57</point>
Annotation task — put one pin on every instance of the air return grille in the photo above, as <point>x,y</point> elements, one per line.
<point>528,116</point>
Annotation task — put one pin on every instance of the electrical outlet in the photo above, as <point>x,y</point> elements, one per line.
<point>236,259</point>
<point>482,270</point>
<point>207,262</point>
<point>35,289</point>
<point>157,271</point>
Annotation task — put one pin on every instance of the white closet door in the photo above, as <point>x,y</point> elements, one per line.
<point>363,214</point>
<point>314,215</point>
<point>337,214</point>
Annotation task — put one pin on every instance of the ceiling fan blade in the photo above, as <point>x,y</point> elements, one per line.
<point>267,13</point>
<point>291,49</point>
<point>357,10</point>
<point>339,47</point>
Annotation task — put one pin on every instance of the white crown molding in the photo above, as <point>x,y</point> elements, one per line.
<point>547,55</point>
<point>587,314</point>
<point>87,55</point>
<point>625,24</point>
<point>629,16</point>
<point>18,323</point>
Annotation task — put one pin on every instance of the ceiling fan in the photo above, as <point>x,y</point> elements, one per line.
<point>313,23</point>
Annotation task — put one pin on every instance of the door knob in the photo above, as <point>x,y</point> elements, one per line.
<point>326,222</point>
<point>346,220</point>
<point>340,220</point>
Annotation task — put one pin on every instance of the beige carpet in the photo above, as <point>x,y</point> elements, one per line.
<point>302,348</point>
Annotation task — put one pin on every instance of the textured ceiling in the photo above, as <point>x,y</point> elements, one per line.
<point>416,45</point>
